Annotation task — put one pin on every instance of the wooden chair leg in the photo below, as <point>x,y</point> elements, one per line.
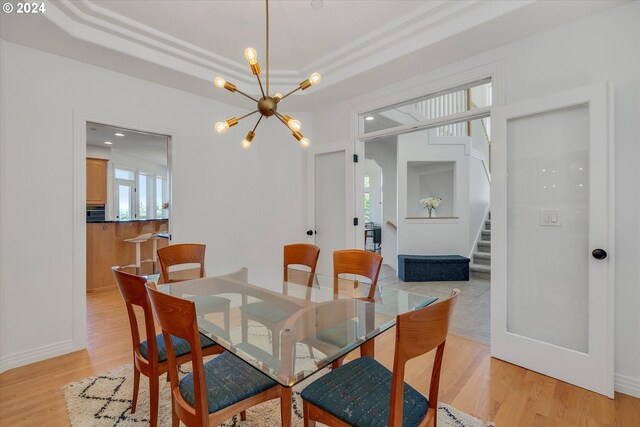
<point>154,392</point>
<point>243,416</point>
<point>308,422</point>
<point>285,406</point>
<point>175,421</point>
<point>227,319</point>
<point>337,363</point>
<point>275,343</point>
<point>136,387</point>
<point>244,326</point>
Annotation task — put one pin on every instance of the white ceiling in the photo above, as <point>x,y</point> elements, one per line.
<point>185,44</point>
<point>146,146</point>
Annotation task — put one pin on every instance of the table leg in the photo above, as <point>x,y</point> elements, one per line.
<point>285,406</point>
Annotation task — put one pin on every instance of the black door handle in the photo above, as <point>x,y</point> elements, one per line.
<point>599,253</point>
<point>309,232</point>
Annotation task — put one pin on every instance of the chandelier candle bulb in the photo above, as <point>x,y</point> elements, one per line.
<point>251,55</point>
<point>277,96</point>
<point>246,143</point>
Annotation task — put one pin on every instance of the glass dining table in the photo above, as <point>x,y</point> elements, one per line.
<point>289,323</point>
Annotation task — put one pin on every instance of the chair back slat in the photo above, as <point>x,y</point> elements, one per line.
<point>301,254</point>
<point>417,333</point>
<point>359,262</point>
<point>133,291</point>
<point>181,254</point>
<point>420,331</point>
<point>177,317</point>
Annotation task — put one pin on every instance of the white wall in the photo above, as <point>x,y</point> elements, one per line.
<point>432,236</point>
<point>233,200</point>
<point>592,50</point>
<point>384,152</point>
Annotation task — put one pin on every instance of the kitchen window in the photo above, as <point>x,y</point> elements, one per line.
<point>139,194</point>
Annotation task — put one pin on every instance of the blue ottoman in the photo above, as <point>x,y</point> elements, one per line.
<point>433,268</point>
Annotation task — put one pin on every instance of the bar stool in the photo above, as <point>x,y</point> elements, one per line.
<point>139,240</point>
<point>162,229</point>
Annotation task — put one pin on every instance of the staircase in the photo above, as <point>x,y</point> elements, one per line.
<point>481,266</point>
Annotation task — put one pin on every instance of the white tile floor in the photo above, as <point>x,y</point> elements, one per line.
<point>472,312</point>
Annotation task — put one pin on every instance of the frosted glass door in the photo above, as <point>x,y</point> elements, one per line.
<point>548,227</point>
<point>552,211</point>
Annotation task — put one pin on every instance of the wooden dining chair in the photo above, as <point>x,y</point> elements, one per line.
<point>150,355</point>
<point>181,255</point>
<point>216,390</point>
<point>360,263</point>
<point>184,255</point>
<point>365,393</point>
<point>273,317</point>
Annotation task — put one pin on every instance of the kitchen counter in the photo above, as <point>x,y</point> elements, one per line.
<point>110,221</point>
<point>106,247</point>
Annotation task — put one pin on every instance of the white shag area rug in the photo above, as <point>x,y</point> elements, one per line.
<point>105,401</point>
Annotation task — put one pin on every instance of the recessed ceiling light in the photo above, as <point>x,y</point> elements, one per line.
<point>317,4</point>
<point>108,142</point>
<point>369,118</point>
<point>119,134</point>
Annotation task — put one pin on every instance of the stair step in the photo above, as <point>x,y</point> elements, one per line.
<point>484,246</point>
<point>489,215</point>
<point>486,235</point>
<point>480,271</point>
<point>477,268</point>
<point>482,258</point>
<point>487,224</point>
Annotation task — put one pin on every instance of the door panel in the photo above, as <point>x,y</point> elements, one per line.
<point>329,207</point>
<point>552,301</point>
<point>330,201</point>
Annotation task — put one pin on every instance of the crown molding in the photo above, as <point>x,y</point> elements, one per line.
<point>431,23</point>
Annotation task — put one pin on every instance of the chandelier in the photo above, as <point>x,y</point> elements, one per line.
<point>267,105</point>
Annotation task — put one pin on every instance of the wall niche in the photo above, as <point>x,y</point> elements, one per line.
<point>431,179</point>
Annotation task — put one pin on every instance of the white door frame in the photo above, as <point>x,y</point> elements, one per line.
<point>80,120</point>
<point>555,361</point>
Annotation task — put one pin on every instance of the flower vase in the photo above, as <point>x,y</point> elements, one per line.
<point>432,213</point>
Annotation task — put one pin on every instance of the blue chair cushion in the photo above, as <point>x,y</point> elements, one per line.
<point>340,334</point>
<point>180,346</point>
<point>229,380</point>
<point>265,311</point>
<point>209,303</point>
<point>358,393</point>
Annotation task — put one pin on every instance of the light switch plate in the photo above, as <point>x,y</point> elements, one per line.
<point>551,217</point>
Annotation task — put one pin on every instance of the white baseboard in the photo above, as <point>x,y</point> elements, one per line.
<point>33,355</point>
<point>627,385</point>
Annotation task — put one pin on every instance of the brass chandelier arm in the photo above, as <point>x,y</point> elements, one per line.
<point>246,115</point>
<point>267,3</point>
<point>293,91</point>
<point>248,96</point>
<point>257,123</point>
<point>260,83</point>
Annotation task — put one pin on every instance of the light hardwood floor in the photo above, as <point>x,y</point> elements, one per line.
<point>471,381</point>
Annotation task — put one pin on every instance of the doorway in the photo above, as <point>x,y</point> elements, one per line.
<point>128,195</point>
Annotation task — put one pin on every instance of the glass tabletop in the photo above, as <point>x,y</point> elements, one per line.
<point>287,322</point>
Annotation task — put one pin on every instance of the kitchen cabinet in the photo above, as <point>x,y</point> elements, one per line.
<point>96,181</point>
<point>107,247</point>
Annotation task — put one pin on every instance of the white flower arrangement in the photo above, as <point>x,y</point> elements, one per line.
<point>430,204</point>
